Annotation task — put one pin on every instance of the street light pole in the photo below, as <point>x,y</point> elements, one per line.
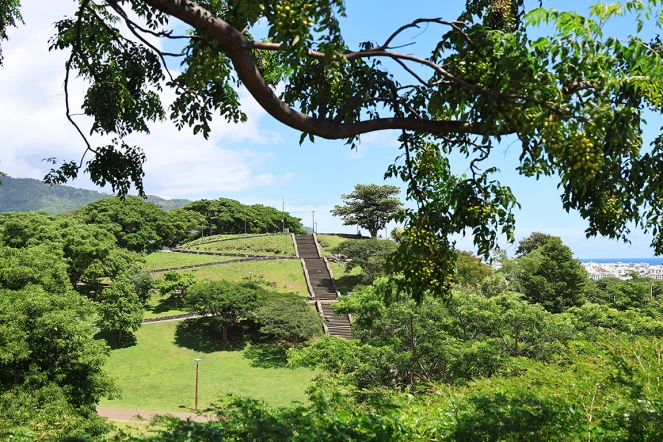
<point>313,221</point>
<point>283,215</point>
<point>195,407</point>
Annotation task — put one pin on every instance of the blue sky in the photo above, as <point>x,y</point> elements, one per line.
<point>262,161</point>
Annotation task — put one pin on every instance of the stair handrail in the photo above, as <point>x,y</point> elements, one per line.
<point>294,242</point>
<point>322,315</point>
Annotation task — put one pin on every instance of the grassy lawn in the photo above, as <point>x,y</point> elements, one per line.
<point>161,306</point>
<point>287,275</point>
<point>165,260</point>
<point>263,245</point>
<point>158,372</point>
<point>328,242</point>
<point>345,281</point>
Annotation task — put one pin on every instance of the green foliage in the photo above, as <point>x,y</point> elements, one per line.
<point>635,293</point>
<point>120,309</point>
<point>10,16</point>
<point>176,284</point>
<point>369,206</point>
<point>594,320</point>
<point>533,242</point>
<point>137,225</point>
<point>51,375</point>
<point>89,250</point>
<point>229,216</point>
<point>227,302</point>
<point>549,276</point>
<point>368,254</point>
<point>405,344</point>
<point>470,271</point>
<point>288,319</point>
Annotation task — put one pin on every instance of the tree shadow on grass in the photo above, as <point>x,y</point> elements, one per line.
<point>266,355</point>
<point>128,340</point>
<point>204,335</point>
<point>346,283</point>
<point>165,305</point>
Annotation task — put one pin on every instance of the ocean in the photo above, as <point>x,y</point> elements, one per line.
<point>650,261</point>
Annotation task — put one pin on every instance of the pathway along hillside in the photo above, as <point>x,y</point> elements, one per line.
<point>322,286</point>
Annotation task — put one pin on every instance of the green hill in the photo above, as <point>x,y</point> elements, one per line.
<point>26,194</point>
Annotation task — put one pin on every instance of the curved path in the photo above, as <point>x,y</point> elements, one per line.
<point>135,415</point>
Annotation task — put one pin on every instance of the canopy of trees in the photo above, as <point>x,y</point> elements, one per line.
<point>229,216</point>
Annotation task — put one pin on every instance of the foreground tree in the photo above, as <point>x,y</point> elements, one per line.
<point>369,206</point>
<point>572,95</point>
<point>51,367</point>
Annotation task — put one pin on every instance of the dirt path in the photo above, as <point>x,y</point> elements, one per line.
<point>135,415</point>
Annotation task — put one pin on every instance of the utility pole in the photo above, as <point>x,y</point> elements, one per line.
<point>283,215</point>
<point>245,220</point>
<point>313,222</point>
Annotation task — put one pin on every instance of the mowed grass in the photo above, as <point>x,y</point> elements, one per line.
<point>157,374</point>
<point>166,260</point>
<point>263,245</point>
<point>287,275</point>
<point>345,281</point>
<point>328,242</point>
<point>161,305</point>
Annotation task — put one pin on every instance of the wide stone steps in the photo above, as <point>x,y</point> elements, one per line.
<point>306,246</point>
<point>322,285</point>
<point>338,326</point>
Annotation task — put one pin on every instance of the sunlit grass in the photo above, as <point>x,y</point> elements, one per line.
<point>262,245</point>
<point>282,276</point>
<point>158,374</point>
<point>165,260</point>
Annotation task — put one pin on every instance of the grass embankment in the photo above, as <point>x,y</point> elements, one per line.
<point>261,245</point>
<point>281,276</point>
<point>158,372</point>
<point>166,260</point>
<point>328,242</point>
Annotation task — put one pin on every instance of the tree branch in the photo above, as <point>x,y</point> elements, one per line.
<point>238,48</point>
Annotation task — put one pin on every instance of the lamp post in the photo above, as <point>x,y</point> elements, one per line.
<point>195,406</point>
<point>315,227</point>
<point>313,220</point>
<point>283,215</point>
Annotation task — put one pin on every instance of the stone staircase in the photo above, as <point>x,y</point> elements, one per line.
<point>322,287</point>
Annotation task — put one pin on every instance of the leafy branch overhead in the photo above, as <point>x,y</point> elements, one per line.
<point>573,97</point>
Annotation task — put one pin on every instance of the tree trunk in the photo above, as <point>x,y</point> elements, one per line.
<point>374,233</point>
<point>225,333</point>
<point>120,336</point>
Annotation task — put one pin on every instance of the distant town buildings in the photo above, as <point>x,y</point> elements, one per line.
<point>622,270</point>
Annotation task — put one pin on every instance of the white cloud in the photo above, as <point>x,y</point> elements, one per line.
<point>33,125</point>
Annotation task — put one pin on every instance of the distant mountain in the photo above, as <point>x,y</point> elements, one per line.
<point>26,194</point>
